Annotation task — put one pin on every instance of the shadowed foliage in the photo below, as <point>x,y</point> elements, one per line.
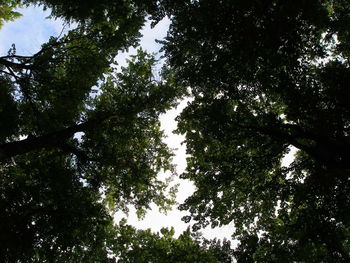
<point>144,246</point>
<point>79,140</point>
<point>267,77</point>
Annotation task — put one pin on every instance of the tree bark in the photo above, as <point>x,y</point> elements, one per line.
<point>328,153</point>
<point>13,65</point>
<point>51,140</point>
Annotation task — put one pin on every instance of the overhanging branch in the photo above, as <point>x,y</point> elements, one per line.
<point>51,140</point>
<point>323,151</point>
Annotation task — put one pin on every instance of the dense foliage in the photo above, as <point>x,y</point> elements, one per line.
<point>267,77</point>
<point>144,246</point>
<point>7,11</point>
<point>79,140</point>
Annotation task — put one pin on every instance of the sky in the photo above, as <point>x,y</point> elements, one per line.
<point>33,29</point>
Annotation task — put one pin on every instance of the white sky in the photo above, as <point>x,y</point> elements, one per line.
<point>32,30</point>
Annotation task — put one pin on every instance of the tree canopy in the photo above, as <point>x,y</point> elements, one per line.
<point>267,77</point>
<point>80,140</point>
<point>7,11</point>
<point>144,246</point>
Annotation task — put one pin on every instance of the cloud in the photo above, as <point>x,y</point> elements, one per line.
<point>148,41</point>
<point>29,32</point>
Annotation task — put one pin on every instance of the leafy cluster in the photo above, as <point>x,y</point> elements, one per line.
<point>79,140</point>
<point>7,12</point>
<point>267,77</point>
<point>144,246</point>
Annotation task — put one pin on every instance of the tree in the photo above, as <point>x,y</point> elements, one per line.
<point>267,77</point>
<point>7,12</point>
<point>133,245</point>
<point>78,140</point>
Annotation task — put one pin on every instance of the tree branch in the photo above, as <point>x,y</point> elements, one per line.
<point>13,65</point>
<point>322,151</point>
<point>17,57</point>
<point>51,140</point>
